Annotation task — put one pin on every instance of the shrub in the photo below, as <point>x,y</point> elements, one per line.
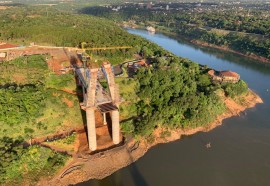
<point>232,90</point>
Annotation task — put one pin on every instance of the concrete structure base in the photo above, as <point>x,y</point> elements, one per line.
<point>115,127</point>
<point>91,129</point>
<point>104,119</point>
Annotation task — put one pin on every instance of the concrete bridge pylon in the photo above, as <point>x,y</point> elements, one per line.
<point>96,97</point>
<point>115,127</point>
<point>91,129</point>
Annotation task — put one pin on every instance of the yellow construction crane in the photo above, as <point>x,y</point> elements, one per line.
<point>108,48</point>
<point>102,48</point>
<point>86,56</point>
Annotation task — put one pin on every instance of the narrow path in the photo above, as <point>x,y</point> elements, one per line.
<point>53,137</point>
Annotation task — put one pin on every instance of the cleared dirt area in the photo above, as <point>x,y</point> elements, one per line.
<point>58,58</point>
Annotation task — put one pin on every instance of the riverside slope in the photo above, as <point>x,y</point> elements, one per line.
<point>104,164</point>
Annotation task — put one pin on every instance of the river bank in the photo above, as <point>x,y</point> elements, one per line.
<point>103,164</point>
<point>205,44</point>
<point>252,56</point>
<point>202,43</point>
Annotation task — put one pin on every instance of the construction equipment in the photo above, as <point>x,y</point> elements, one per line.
<point>86,57</point>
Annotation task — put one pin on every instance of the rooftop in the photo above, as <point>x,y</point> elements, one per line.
<point>228,74</point>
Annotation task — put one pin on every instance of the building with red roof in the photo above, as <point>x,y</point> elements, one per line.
<point>224,76</point>
<point>229,74</point>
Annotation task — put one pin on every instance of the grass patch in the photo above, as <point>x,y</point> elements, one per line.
<point>127,89</point>
<point>60,82</point>
<point>24,70</point>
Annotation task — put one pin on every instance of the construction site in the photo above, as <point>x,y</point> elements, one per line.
<point>99,105</point>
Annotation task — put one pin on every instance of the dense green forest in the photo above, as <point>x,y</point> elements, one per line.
<point>180,96</point>
<point>58,28</point>
<point>177,93</point>
<point>236,30</point>
<point>62,29</point>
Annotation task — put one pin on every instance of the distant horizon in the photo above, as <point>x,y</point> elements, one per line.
<point>123,1</point>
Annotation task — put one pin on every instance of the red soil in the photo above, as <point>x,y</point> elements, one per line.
<point>103,133</point>
<point>68,102</point>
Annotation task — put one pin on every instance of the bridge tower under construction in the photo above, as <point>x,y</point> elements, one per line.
<point>96,97</point>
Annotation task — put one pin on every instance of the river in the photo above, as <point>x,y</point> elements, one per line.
<point>240,148</point>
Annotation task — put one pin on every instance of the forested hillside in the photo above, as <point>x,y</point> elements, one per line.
<point>228,28</point>
<point>59,29</point>
<point>178,93</point>
<point>28,24</point>
<point>52,27</point>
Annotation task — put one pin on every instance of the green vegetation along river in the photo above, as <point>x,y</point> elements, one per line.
<point>240,148</point>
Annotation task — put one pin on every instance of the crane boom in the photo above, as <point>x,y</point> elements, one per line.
<point>108,48</point>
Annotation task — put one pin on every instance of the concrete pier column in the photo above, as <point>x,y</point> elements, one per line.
<point>91,129</point>
<point>115,127</point>
<point>104,119</point>
<point>84,96</point>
